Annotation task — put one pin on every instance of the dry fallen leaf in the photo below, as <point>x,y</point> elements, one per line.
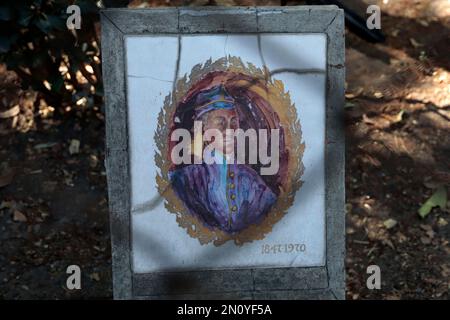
<point>74,147</point>
<point>415,43</point>
<point>388,243</point>
<point>354,93</point>
<point>395,32</point>
<point>45,145</point>
<point>390,223</point>
<point>425,240</point>
<point>392,296</point>
<point>19,216</point>
<point>93,160</point>
<point>423,23</point>
<point>394,118</point>
<point>401,237</point>
<point>442,222</point>
<point>425,227</point>
<point>7,204</point>
<point>95,276</point>
<point>430,234</point>
<point>14,111</point>
<point>378,95</point>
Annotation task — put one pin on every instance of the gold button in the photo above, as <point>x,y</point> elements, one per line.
<point>231,174</point>
<point>231,185</point>
<point>234,208</point>
<point>233,196</point>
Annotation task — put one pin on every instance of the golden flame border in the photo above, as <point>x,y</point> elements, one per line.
<point>281,102</point>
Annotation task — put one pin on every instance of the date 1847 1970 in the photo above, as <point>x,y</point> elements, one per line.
<point>283,248</point>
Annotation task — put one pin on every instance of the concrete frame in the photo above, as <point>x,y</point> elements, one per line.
<point>327,282</point>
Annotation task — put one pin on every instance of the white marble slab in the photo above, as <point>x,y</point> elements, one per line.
<point>158,243</point>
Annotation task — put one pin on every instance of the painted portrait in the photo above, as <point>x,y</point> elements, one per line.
<point>234,191</point>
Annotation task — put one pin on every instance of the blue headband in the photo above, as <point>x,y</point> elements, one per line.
<point>213,99</point>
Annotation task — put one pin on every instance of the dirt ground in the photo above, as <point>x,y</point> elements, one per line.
<point>53,199</point>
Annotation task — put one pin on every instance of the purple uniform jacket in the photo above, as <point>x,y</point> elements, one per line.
<point>230,197</point>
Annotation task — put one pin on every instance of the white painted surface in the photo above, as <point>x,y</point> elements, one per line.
<point>158,243</point>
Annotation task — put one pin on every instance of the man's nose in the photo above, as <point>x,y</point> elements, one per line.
<point>229,126</point>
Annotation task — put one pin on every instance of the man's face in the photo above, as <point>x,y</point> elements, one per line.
<point>222,120</point>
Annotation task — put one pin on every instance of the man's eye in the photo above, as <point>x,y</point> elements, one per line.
<point>219,122</point>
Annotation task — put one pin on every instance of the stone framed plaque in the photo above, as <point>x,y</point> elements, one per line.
<point>225,151</point>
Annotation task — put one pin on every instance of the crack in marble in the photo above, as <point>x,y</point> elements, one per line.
<point>331,22</point>
<point>177,65</point>
<point>297,71</point>
<point>149,77</point>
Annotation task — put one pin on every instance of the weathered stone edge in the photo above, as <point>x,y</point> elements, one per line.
<point>116,23</point>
